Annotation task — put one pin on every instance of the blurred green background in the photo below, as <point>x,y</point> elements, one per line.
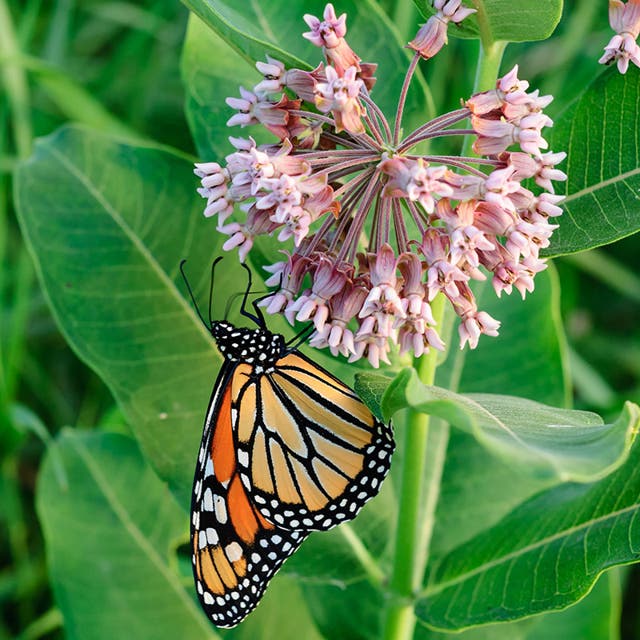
<point>114,66</point>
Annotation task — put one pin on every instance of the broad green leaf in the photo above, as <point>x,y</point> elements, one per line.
<point>546,441</point>
<point>109,536</point>
<point>592,618</point>
<point>252,30</point>
<point>600,132</point>
<point>477,490</point>
<point>510,20</point>
<point>544,555</point>
<point>107,236</point>
<point>353,611</point>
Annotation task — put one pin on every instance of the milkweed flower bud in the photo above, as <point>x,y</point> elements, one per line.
<point>432,36</point>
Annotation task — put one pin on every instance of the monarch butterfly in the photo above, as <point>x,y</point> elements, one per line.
<point>286,449</point>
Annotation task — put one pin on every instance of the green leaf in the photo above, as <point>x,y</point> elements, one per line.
<point>246,32</point>
<point>107,236</point>
<point>592,618</point>
<point>546,441</point>
<point>544,555</point>
<point>510,20</point>
<point>595,617</point>
<point>254,30</point>
<point>601,134</point>
<point>109,536</point>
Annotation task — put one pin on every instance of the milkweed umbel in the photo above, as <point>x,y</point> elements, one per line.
<point>286,449</point>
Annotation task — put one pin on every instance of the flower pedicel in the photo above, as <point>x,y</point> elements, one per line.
<point>380,228</point>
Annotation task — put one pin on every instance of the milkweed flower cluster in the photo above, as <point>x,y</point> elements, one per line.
<point>623,47</point>
<point>379,230</point>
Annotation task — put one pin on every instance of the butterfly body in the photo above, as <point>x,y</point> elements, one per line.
<point>286,449</point>
<point>257,347</point>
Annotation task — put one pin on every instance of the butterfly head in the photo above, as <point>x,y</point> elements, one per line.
<point>252,346</point>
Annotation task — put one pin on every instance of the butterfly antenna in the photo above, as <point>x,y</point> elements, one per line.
<point>257,317</point>
<point>301,337</point>
<point>190,290</point>
<point>213,268</point>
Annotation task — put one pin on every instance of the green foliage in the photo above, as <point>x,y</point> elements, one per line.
<point>525,505</point>
<point>580,531</point>
<point>128,525</point>
<point>601,134</point>
<point>506,20</point>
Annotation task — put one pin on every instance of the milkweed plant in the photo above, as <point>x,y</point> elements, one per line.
<point>407,237</point>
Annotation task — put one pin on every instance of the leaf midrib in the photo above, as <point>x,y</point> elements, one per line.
<point>601,185</point>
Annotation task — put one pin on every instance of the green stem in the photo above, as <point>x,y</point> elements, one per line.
<point>489,59</point>
<point>410,553</point>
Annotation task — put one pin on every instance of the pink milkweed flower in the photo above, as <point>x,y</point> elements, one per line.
<point>432,36</point>
<point>383,297</point>
<point>287,276</point>
<point>546,173</point>
<point>372,342</point>
<point>416,330</point>
<point>255,109</point>
<point>416,180</point>
<point>466,238</point>
<point>625,21</point>
<point>335,333</point>
<point>328,281</point>
<point>376,227</point>
<point>474,324</point>
<point>303,83</point>
<point>242,235</point>
<point>283,194</point>
<point>329,34</point>
<point>442,275</point>
<point>509,272</point>
<point>274,72</point>
<point>215,183</point>
<point>340,96</point>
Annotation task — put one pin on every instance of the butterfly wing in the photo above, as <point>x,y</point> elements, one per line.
<point>310,453</point>
<point>236,551</point>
